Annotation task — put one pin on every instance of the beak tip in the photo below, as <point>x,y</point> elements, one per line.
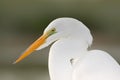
<point>32,48</point>
<point>14,62</point>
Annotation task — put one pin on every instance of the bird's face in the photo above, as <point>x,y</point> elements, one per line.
<point>52,33</point>
<point>57,29</point>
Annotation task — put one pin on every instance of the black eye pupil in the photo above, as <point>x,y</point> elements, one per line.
<point>53,30</point>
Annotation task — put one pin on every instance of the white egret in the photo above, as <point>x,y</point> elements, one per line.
<point>69,58</point>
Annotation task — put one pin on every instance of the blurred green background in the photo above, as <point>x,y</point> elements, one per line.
<point>22,22</point>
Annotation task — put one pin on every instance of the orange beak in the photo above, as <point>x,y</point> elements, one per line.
<point>32,48</point>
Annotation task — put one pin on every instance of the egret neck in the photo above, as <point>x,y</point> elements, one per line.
<point>60,67</point>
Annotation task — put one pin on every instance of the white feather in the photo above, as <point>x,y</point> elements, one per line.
<point>71,42</point>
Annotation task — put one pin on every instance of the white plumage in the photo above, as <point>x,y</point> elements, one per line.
<point>69,58</point>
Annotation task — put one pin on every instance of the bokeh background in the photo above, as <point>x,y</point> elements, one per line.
<point>22,22</point>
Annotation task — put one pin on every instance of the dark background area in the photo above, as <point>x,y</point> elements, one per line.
<point>23,21</point>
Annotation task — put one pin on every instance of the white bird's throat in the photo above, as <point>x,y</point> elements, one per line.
<point>60,67</point>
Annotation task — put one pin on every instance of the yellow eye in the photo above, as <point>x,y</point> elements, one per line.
<point>51,32</point>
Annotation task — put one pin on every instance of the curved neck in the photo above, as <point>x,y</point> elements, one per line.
<point>60,55</point>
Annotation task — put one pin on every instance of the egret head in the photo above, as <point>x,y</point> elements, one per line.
<point>58,29</point>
